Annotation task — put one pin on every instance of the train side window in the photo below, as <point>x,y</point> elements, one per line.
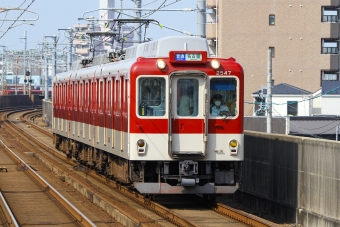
<point>223,97</point>
<point>151,96</point>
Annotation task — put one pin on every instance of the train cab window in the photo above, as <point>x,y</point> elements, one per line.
<point>151,96</point>
<point>223,97</point>
<point>187,97</point>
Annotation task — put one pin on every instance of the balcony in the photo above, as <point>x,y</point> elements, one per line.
<point>329,50</point>
<point>84,51</point>
<point>80,42</point>
<point>329,18</point>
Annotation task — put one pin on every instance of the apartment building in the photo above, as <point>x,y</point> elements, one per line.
<point>303,36</point>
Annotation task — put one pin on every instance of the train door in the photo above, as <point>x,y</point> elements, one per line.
<point>117,113</point>
<point>122,111</point>
<point>68,109</point>
<point>188,113</point>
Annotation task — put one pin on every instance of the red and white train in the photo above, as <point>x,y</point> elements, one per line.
<point>167,119</point>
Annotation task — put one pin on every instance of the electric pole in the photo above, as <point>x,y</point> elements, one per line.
<point>25,47</point>
<point>69,56</point>
<point>269,92</point>
<point>4,69</point>
<point>201,18</point>
<point>137,34</point>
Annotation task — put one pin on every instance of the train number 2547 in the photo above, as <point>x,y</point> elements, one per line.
<point>223,73</point>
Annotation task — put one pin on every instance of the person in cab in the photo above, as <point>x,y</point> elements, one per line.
<point>219,109</point>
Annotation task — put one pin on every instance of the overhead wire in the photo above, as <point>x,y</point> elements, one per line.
<point>17,19</point>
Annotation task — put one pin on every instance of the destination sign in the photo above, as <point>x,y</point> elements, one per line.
<point>188,57</point>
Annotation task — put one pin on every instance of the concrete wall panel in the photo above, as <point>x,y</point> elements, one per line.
<point>298,176</point>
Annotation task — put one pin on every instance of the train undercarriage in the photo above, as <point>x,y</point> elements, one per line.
<point>154,177</point>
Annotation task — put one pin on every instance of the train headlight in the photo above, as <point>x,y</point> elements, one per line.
<point>161,64</point>
<point>233,147</point>
<point>215,64</point>
<point>141,146</point>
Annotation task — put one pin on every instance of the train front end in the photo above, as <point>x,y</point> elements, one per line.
<point>186,128</point>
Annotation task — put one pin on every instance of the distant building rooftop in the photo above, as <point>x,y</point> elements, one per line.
<point>330,87</point>
<point>285,89</point>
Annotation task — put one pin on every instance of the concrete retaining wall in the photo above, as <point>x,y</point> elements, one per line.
<point>297,179</point>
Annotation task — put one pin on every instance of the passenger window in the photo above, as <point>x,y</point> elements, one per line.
<point>187,101</point>
<point>151,96</point>
<point>223,97</point>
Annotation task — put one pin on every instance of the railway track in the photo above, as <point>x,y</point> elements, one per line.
<point>190,213</point>
<point>42,205</point>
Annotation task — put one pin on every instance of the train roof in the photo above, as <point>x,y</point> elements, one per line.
<point>162,47</point>
<point>152,49</point>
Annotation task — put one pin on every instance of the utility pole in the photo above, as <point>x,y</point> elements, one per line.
<point>137,34</point>
<point>201,18</point>
<point>269,92</point>
<point>69,56</point>
<point>25,48</point>
<point>70,45</point>
<point>54,62</point>
<point>16,76</point>
<point>46,70</point>
<point>336,132</point>
<point>4,69</point>
<point>29,80</point>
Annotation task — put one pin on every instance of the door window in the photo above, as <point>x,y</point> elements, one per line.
<point>187,101</point>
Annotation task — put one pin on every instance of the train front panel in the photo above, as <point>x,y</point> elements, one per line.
<point>186,124</point>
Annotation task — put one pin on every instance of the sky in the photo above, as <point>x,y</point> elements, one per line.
<point>62,14</point>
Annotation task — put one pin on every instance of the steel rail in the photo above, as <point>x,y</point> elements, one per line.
<point>10,219</point>
<point>241,216</point>
<point>155,207</point>
<point>72,210</point>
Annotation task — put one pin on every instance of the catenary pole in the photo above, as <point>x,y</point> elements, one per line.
<point>137,34</point>
<point>69,56</point>
<point>4,69</point>
<point>269,92</point>
<point>25,47</point>
<point>201,18</point>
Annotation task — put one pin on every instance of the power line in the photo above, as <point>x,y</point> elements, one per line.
<point>17,19</point>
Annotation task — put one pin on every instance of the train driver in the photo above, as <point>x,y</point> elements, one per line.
<point>218,108</point>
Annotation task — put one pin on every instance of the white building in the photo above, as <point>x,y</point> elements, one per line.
<point>330,98</point>
<point>287,100</point>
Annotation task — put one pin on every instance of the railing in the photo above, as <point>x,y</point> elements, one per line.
<point>330,18</point>
<point>329,50</point>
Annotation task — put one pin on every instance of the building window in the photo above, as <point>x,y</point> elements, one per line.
<point>329,76</point>
<point>329,15</point>
<point>329,46</point>
<point>292,108</point>
<point>271,19</point>
<point>272,49</point>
